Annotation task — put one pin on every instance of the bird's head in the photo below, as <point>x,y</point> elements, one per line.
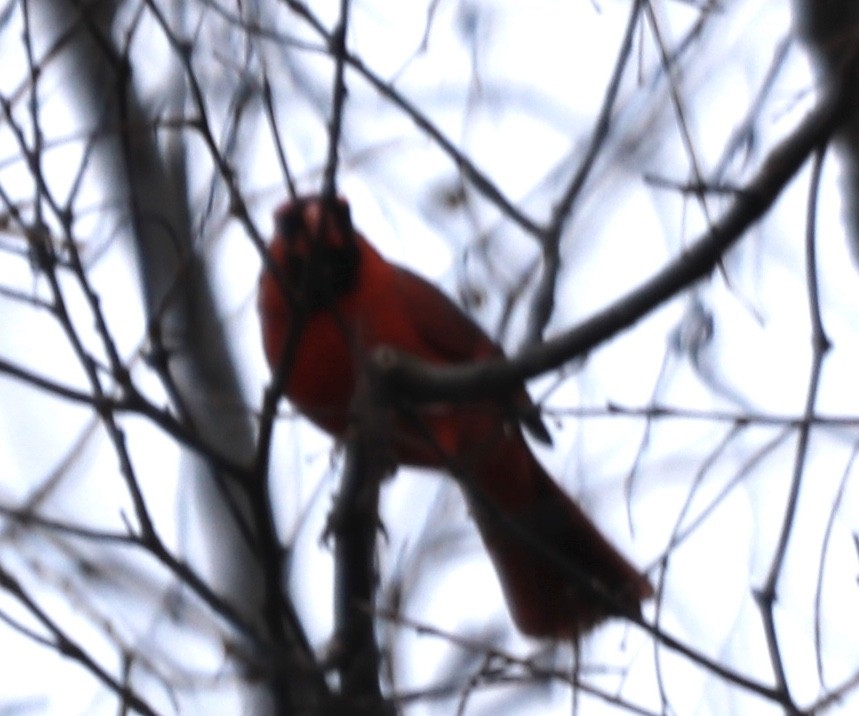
<point>316,246</point>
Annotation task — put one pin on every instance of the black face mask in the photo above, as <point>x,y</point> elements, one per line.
<point>320,271</point>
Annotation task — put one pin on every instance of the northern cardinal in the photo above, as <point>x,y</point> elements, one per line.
<point>331,300</point>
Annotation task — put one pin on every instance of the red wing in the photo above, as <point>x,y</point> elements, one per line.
<point>447,331</point>
<point>454,337</point>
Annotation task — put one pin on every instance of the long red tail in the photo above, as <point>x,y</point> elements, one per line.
<point>529,516</point>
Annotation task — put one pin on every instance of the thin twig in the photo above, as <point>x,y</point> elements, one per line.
<point>337,46</point>
<point>543,301</point>
<point>420,381</point>
<point>766,596</point>
<point>69,648</point>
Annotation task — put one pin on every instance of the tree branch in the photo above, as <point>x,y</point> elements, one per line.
<point>420,381</point>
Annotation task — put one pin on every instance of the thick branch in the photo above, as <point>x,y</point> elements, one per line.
<point>354,524</point>
<point>423,382</point>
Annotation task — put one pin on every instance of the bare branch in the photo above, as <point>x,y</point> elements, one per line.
<point>425,382</point>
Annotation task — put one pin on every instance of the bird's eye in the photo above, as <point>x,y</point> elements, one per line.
<point>289,224</point>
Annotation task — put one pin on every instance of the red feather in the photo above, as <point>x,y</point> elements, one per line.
<point>346,300</point>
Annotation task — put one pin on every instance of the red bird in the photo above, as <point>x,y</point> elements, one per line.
<point>344,300</point>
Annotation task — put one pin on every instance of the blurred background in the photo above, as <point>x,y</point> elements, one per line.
<point>162,522</point>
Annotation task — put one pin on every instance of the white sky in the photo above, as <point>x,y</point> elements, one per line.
<point>520,99</point>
